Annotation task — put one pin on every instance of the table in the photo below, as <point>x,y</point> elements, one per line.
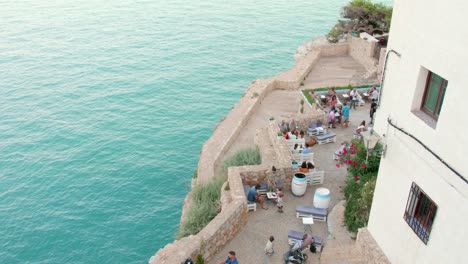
<point>308,222</point>
<point>366,96</point>
<point>271,195</point>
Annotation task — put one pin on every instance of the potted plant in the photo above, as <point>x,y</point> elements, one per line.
<point>294,164</point>
<point>280,134</point>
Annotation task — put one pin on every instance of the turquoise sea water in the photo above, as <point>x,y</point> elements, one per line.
<point>104,106</point>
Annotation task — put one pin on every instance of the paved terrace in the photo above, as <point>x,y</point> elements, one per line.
<point>337,71</point>
<point>251,240</point>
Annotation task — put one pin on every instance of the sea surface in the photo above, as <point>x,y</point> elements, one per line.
<point>104,106</point>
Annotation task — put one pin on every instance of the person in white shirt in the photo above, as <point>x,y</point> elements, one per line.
<point>269,247</point>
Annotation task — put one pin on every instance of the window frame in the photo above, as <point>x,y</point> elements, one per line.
<point>442,88</point>
<point>420,212</point>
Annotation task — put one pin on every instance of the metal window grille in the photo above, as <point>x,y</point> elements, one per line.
<point>420,212</point>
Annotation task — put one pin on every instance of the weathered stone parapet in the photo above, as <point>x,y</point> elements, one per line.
<point>365,52</point>
<point>218,232</point>
<point>228,130</point>
<point>370,250</point>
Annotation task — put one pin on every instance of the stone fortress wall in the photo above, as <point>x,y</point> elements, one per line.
<point>233,215</point>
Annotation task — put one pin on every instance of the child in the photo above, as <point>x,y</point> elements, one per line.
<point>279,201</point>
<point>269,247</point>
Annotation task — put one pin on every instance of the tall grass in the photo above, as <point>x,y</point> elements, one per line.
<point>205,197</point>
<point>204,208</point>
<point>247,156</point>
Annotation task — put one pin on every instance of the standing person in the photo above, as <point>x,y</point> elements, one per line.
<point>231,259</point>
<point>280,202</point>
<point>373,109</point>
<point>338,114</point>
<point>269,247</point>
<point>345,115</point>
<point>354,98</point>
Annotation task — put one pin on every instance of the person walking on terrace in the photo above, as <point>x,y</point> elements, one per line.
<point>354,99</point>
<point>231,259</point>
<point>253,196</point>
<point>345,115</point>
<point>269,247</point>
<point>280,201</point>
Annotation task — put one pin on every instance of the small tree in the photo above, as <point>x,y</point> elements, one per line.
<point>362,16</point>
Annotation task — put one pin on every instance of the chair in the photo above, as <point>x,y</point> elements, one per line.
<point>315,177</point>
<point>251,206</point>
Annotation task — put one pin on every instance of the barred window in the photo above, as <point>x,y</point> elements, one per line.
<point>420,212</point>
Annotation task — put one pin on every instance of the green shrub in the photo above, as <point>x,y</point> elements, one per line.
<point>335,34</point>
<point>200,260</point>
<point>205,198</point>
<point>247,156</point>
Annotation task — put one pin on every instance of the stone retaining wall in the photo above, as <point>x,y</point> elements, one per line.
<point>234,208</point>
<point>363,52</point>
<point>370,250</point>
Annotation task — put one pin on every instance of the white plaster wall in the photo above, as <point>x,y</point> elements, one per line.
<point>419,31</point>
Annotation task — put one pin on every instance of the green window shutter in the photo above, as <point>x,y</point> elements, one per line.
<point>432,93</point>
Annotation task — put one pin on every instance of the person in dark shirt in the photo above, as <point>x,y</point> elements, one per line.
<point>373,109</point>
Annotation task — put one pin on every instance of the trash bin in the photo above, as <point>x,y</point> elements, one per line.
<point>299,184</point>
<point>322,198</point>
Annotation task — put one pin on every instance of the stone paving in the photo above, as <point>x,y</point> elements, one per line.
<point>337,71</point>
<point>251,240</point>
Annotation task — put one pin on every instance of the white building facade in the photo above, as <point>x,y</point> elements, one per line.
<point>420,208</point>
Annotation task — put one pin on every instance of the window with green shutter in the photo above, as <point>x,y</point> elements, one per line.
<point>434,95</point>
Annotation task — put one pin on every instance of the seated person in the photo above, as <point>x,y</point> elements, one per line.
<point>296,149</point>
<point>253,196</point>
<point>303,167</point>
<point>283,127</point>
<point>291,135</point>
<point>310,166</point>
<point>301,134</point>
<point>307,240</point>
<point>307,149</point>
<point>361,127</point>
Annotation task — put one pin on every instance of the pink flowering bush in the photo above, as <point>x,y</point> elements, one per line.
<point>360,182</point>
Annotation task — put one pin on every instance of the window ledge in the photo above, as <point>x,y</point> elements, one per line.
<point>425,118</point>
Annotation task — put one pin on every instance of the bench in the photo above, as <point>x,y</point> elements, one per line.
<point>315,177</point>
<point>251,206</point>
<point>326,138</point>
<point>316,131</point>
<point>318,214</point>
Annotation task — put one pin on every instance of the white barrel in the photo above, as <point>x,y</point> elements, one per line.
<point>322,198</point>
<point>299,184</point>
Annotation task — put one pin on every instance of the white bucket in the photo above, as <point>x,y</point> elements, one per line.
<point>299,184</point>
<point>322,198</point>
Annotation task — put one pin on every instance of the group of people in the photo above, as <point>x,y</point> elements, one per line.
<point>254,196</point>
<point>305,243</point>
<point>338,115</point>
